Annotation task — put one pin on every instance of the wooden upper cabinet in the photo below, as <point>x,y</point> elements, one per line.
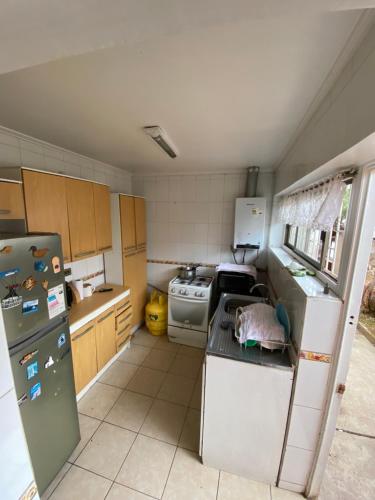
<point>140,221</point>
<point>103,224</point>
<point>46,206</point>
<point>81,210</point>
<point>127,214</point>
<point>11,201</point>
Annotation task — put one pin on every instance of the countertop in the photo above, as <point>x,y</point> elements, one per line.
<point>91,307</point>
<point>220,342</point>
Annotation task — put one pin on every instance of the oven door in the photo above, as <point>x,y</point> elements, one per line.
<point>188,313</point>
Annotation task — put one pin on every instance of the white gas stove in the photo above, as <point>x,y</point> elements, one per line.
<point>189,310</point>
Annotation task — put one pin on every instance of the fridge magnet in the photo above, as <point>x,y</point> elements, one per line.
<point>56,301</point>
<point>32,370</point>
<point>56,264</point>
<point>6,250</point>
<point>29,283</point>
<point>22,399</point>
<point>38,252</point>
<point>9,272</point>
<point>40,266</point>
<point>49,362</point>
<point>61,340</point>
<point>35,391</point>
<point>11,299</point>
<point>44,284</point>
<point>28,356</point>
<point>30,306</point>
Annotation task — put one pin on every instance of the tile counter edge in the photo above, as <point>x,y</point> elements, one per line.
<point>94,314</point>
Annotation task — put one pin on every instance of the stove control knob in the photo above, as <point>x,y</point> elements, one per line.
<point>197,294</point>
<point>173,290</point>
<point>186,292</point>
<point>181,292</point>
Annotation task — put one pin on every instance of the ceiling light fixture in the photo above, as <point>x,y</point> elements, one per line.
<point>160,137</point>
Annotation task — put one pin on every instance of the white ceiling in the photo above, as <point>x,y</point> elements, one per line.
<point>230,86</point>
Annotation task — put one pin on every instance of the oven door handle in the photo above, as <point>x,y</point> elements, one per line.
<point>188,300</point>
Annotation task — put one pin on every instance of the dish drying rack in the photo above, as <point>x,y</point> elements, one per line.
<point>263,344</point>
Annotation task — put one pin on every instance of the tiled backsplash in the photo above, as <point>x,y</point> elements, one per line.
<point>191,218</point>
<point>91,270</point>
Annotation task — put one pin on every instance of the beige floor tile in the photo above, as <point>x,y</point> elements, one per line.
<point>147,466</point>
<point>164,421</point>
<point>87,427</point>
<point>119,374</point>
<point>164,344</point>
<point>159,360</point>
<point>146,381</point>
<point>279,494</point>
<point>79,484</point>
<point>119,492</point>
<point>176,389</point>
<point>53,485</point>
<point>98,400</point>
<point>187,366</point>
<point>189,479</point>
<point>135,354</point>
<point>232,487</point>
<point>194,352</point>
<point>190,433</point>
<point>106,450</point>
<point>196,398</point>
<point>143,337</point>
<point>130,411</point>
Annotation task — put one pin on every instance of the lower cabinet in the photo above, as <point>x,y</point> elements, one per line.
<point>135,277</point>
<point>105,337</point>
<point>95,343</point>
<point>84,355</point>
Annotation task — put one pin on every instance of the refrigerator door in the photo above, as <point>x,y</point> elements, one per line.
<point>43,375</point>
<point>32,285</point>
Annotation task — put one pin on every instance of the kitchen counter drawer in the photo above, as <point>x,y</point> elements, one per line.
<point>122,336</point>
<point>123,305</point>
<point>124,318</point>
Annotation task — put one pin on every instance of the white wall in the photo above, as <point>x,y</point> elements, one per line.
<point>345,117</point>
<point>190,218</point>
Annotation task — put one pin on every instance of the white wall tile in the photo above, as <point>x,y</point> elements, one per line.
<point>215,212</point>
<point>10,156</point>
<point>175,188</point>
<point>6,138</point>
<point>322,339</point>
<point>32,159</point>
<point>304,427</point>
<point>188,188</point>
<point>226,234</point>
<point>175,232</point>
<point>216,190</point>
<point>297,465</point>
<point>201,234</point>
<point>213,254</point>
<point>231,187</point>
<point>214,234</point>
<point>202,187</point>
<point>228,212</point>
<point>311,384</point>
<point>162,211</point>
<point>138,185</point>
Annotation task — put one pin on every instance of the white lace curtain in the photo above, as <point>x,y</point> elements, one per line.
<point>317,207</point>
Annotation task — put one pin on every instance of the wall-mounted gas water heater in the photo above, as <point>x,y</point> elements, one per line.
<point>250,216</point>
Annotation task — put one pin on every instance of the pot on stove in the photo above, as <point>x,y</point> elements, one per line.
<point>187,272</point>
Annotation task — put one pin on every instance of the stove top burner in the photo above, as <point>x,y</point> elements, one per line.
<point>199,281</point>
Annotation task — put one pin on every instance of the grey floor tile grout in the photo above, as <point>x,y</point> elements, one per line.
<point>49,496</point>
<point>270,491</point>
<point>218,485</point>
<point>169,472</point>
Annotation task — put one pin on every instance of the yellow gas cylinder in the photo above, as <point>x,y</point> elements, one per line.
<point>157,314</point>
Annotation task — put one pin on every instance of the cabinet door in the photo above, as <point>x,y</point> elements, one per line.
<point>103,225</point>
<point>84,356</point>
<point>11,201</point>
<point>46,206</point>
<point>140,221</point>
<point>105,337</point>
<point>135,277</point>
<point>127,213</point>
<point>80,196</point>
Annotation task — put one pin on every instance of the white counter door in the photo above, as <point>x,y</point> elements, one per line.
<point>245,414</point>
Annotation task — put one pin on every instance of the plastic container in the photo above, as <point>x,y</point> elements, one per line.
<point>156,315</point>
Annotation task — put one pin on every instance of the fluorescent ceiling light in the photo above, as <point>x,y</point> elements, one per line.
<point>160,137</point>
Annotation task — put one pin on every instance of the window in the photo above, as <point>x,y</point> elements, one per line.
<point>321,249</point>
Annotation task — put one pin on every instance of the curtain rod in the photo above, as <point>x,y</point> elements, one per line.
<point>343,175</point>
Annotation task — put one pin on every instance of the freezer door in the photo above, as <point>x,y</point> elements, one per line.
<point>44,381</point>
<point>32,285</point>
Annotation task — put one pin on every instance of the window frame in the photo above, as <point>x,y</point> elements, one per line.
<point>315,263</point>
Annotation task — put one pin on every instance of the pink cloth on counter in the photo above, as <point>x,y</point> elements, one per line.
<point>259,322</point>
<point>238,268</point>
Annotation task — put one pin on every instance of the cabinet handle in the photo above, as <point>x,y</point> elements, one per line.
<point>105,317</point>
<point>123,330</point>
<point>102,249</point>
<point>126,317</point>
<point>83,333</point>
<point>4,211</point>
<point>122,343</point>
<point>124,306</point>
<point>82,254</point>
